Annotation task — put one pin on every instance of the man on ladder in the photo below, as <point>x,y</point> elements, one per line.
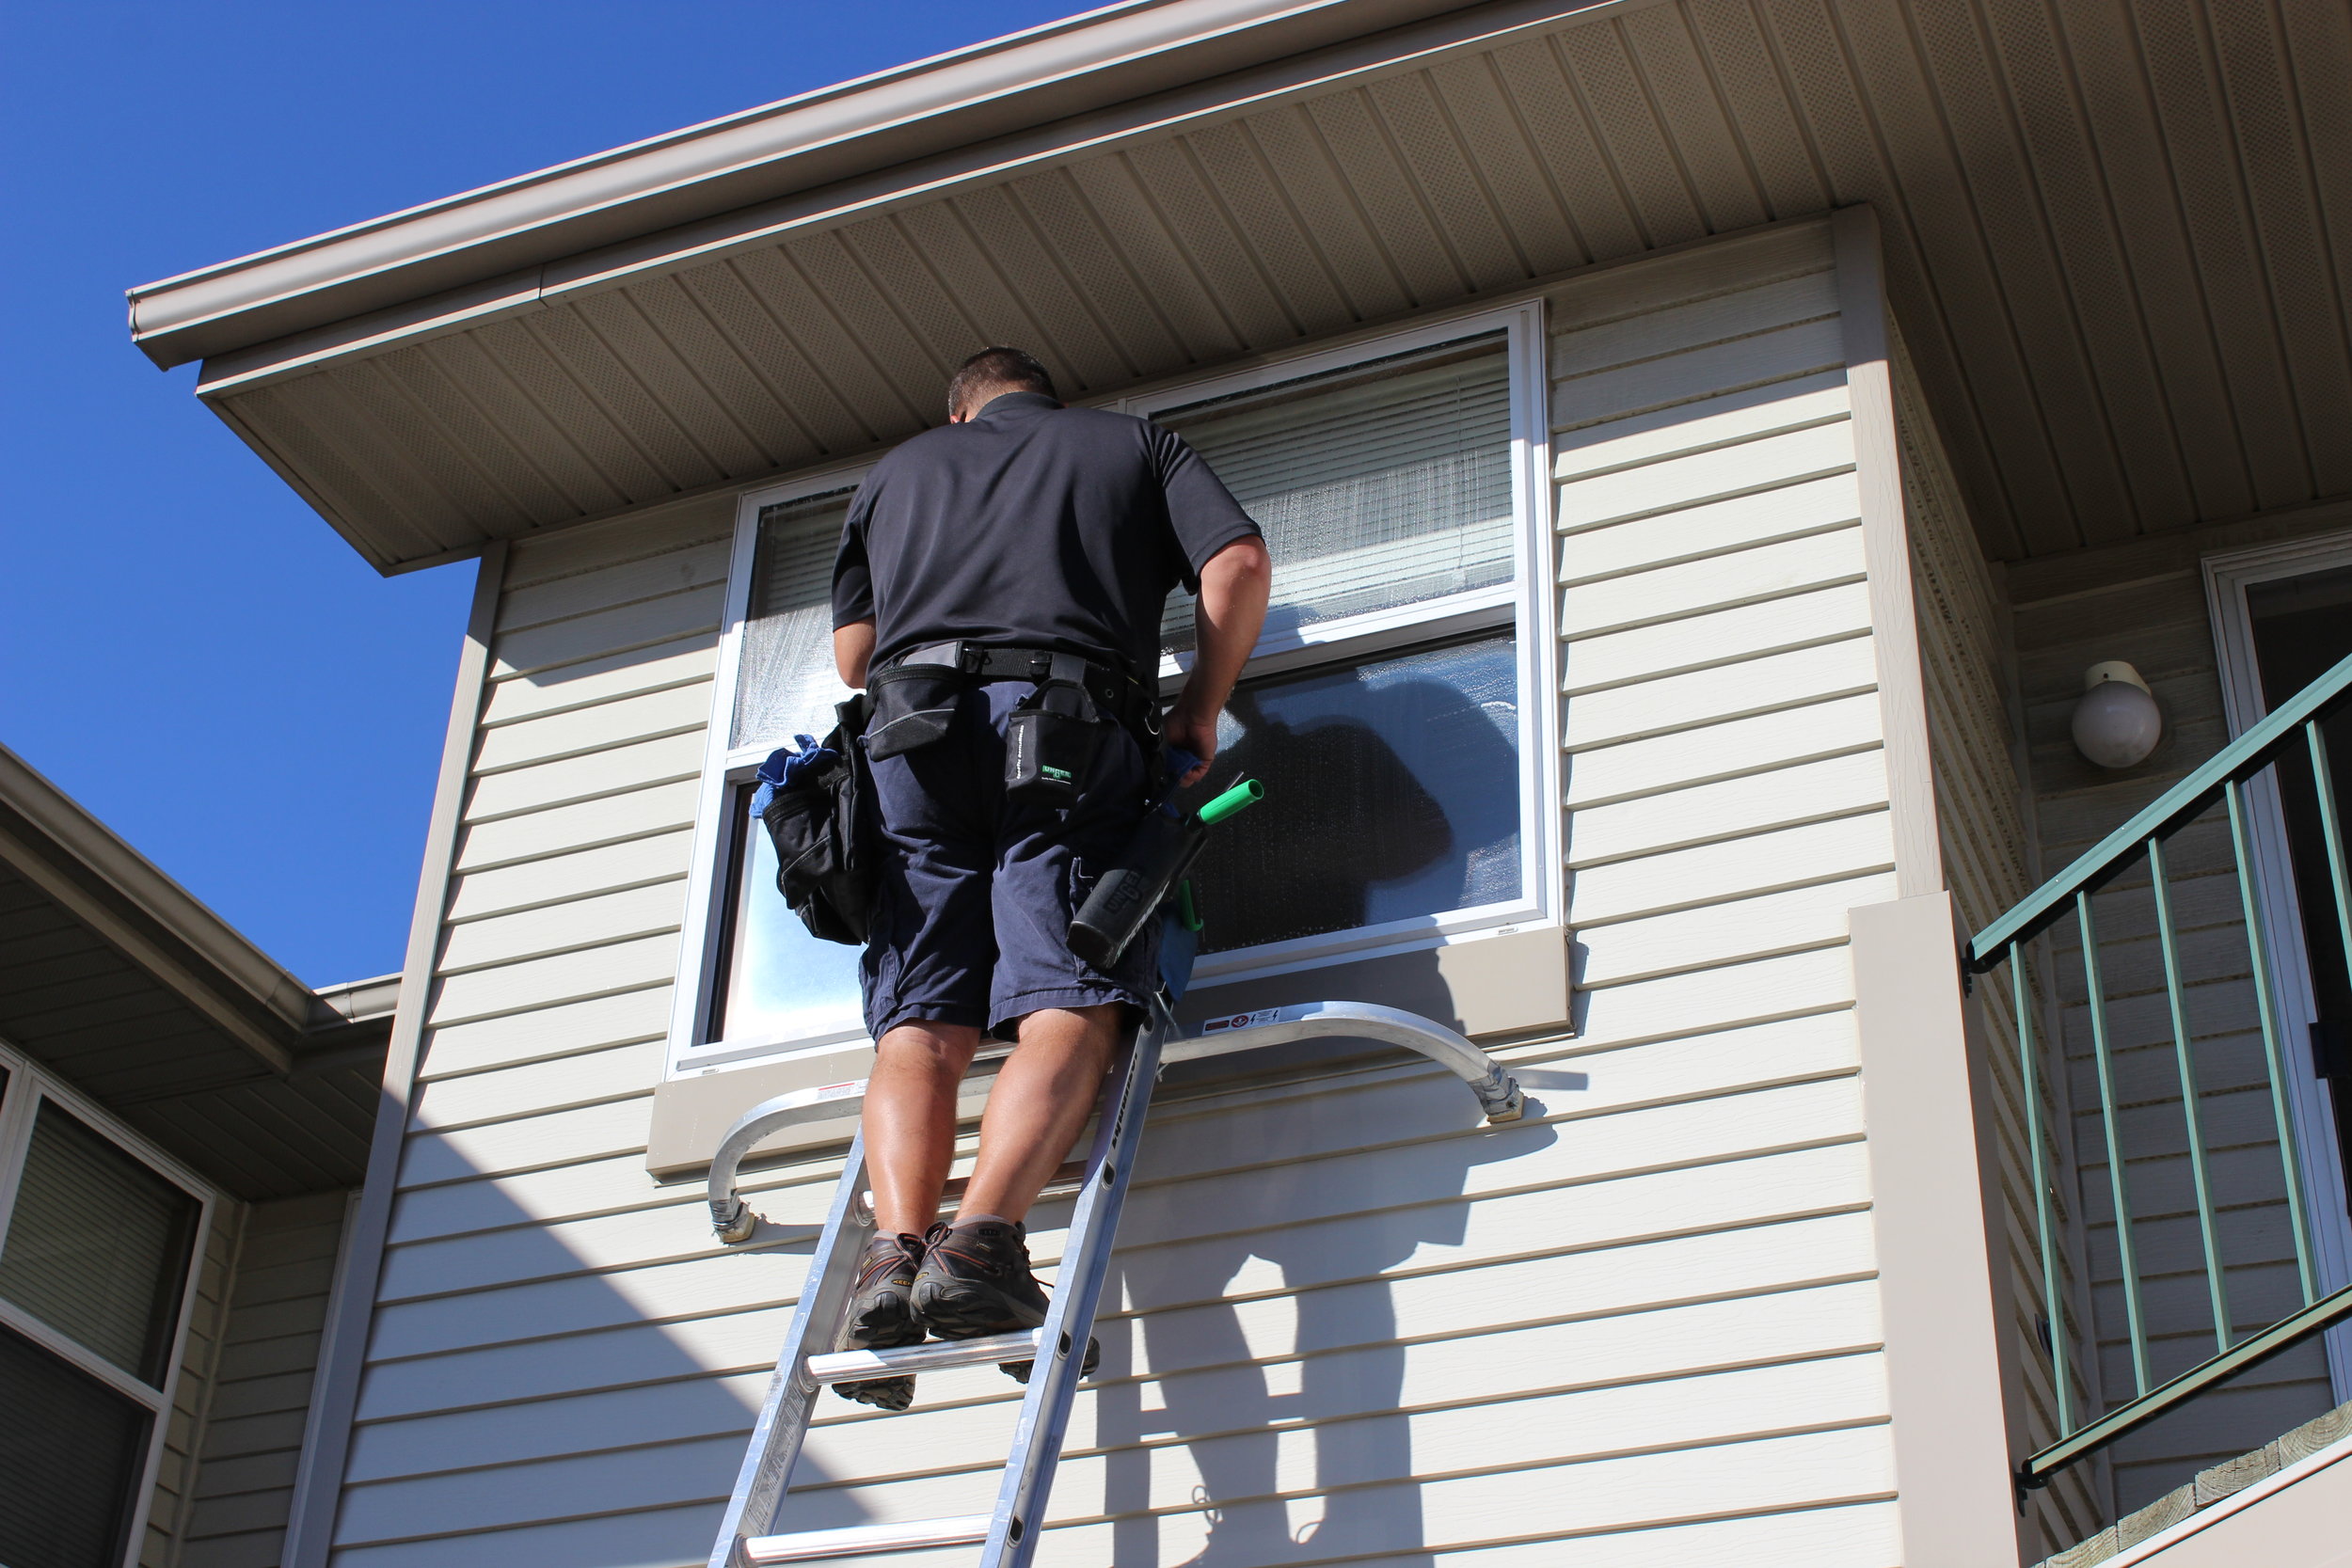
<point>998,592</point>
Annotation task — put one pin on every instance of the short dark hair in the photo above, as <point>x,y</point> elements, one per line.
<point>1013,370</point>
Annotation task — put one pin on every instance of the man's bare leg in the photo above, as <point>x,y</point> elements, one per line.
<point>1040,1100</point>
<point>910,1121</point>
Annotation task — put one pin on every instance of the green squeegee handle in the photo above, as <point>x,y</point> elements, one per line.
<point>1240,798</point>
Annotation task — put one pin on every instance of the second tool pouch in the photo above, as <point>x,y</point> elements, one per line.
<point>914,707</point>
<point>1050,742</point>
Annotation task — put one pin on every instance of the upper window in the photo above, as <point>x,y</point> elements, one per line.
<point>96,1248</point>
<point>1394,706</point>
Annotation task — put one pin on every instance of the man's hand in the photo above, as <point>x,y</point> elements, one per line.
<point>1184,732</point>
<point>1235,586</point>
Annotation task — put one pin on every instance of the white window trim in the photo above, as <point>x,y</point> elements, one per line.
<point>2228,575</point>
<point>28,1083</point>
<point>1528,605</point>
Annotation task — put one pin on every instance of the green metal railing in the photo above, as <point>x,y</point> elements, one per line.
<point>2221,780</point>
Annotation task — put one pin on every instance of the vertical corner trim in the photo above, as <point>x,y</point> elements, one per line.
<point>343,1349</point>
<point>1887,551</point>
<point>1951,1365</point>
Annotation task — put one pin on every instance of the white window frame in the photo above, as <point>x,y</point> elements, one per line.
<point>2228,575</point>
<point>1527,606</point>
<point>27,1086</point>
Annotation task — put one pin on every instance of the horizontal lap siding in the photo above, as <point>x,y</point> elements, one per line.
<point>1989,864</point>
<point>1346,1319</point>
<point>2146,604</point>
<point>261,1395</point>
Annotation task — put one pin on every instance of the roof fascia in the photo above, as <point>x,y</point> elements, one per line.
<point>92,847</point>
<point>487,244</point>
<point>1125,123</point>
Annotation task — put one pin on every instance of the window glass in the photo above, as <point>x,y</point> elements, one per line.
<point>66,1477</point>
<point>779,981</point>
<point>98,1245</point>
<point>786,684</point>
<point>1392,791</point>
<point>1375,489</point>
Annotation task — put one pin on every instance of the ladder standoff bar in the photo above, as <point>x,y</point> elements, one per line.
<point>1498,1093</point>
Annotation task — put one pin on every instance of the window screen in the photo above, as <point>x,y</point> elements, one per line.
<point>98,1245</point>
<point>786,684</point>
<point>1392,791</point>
<point>1375,490</point>
<point>71,1452</point>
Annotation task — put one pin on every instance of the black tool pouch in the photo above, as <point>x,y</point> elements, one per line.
<point>1050,742</point>
<point>914,707</point>
<point>824,866</point>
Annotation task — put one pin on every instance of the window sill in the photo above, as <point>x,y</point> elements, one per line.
<point>1508,983</point>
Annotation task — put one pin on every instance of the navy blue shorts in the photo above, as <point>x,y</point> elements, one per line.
<point>972,922</point>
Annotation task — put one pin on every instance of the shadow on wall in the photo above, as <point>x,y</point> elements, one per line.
<point>526,1403</point>
<point>1248,1409</point>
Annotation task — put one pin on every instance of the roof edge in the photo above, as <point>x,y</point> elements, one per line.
<point>989,90</point>
<point>180,912</point>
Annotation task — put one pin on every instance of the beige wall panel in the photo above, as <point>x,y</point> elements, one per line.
<point>548,1033</point>
<point>1737,691</point>
<point>644,624</point>
<point>1714,473</point>
<point>1679,879</point>
<point>575,1080</point>
<point>551,929</point>
<point>1779,510</point>
<point>577,732</point>
<point>1722,421</point>
<point>622,793</point>
<point>1688,588</point>
<point>1780,354</point>
<point>1830,727</point>
<point>599,680</point>
<point>1717,635</point>
<point>604,587</point>
<point>611,868</point>
<point>1704,814</point>
<point>619,966</point>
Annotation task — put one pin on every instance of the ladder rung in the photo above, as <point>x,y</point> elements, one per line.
<point>853,1365</point>
<point>809,1545</point>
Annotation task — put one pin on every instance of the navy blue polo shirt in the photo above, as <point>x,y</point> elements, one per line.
<point>1033,525</point>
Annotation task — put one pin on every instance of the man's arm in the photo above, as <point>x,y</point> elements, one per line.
<point>1226,621</point>
<point>853,650</point>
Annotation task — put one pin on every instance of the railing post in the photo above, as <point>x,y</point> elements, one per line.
<point>2030,1077</point>
<point>2282,1113</point>
<point>2215,1289</point>
<point>2127,1254</point>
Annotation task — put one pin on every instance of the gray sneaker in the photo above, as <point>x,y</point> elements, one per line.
<point>976,1281</point>
<point>880,1317</point>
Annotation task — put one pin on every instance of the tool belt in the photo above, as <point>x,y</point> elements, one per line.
<point>1051,736</point>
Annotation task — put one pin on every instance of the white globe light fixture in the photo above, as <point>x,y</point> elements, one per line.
<point>2117,723</point>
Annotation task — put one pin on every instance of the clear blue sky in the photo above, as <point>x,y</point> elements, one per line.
<point>184,646</point>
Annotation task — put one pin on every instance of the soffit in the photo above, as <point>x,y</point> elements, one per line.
<point>2113,233</point>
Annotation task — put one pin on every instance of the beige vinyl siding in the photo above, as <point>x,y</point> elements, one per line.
<point>1989,862</point>
<point>2146,603</point>
<point>260,1395</point>
<point>193,1391</point>
<point>1348,1321</point>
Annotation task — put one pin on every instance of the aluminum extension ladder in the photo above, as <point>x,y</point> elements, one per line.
<point>808,1364</point>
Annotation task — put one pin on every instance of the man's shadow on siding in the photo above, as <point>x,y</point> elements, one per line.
<point>1350,1396</point>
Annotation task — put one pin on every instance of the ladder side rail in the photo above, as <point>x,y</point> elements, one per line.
<point>783,1416</point>
<point>1018,1518</point>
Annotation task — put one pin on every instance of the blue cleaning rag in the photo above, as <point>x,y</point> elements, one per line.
<point>783,765</point>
